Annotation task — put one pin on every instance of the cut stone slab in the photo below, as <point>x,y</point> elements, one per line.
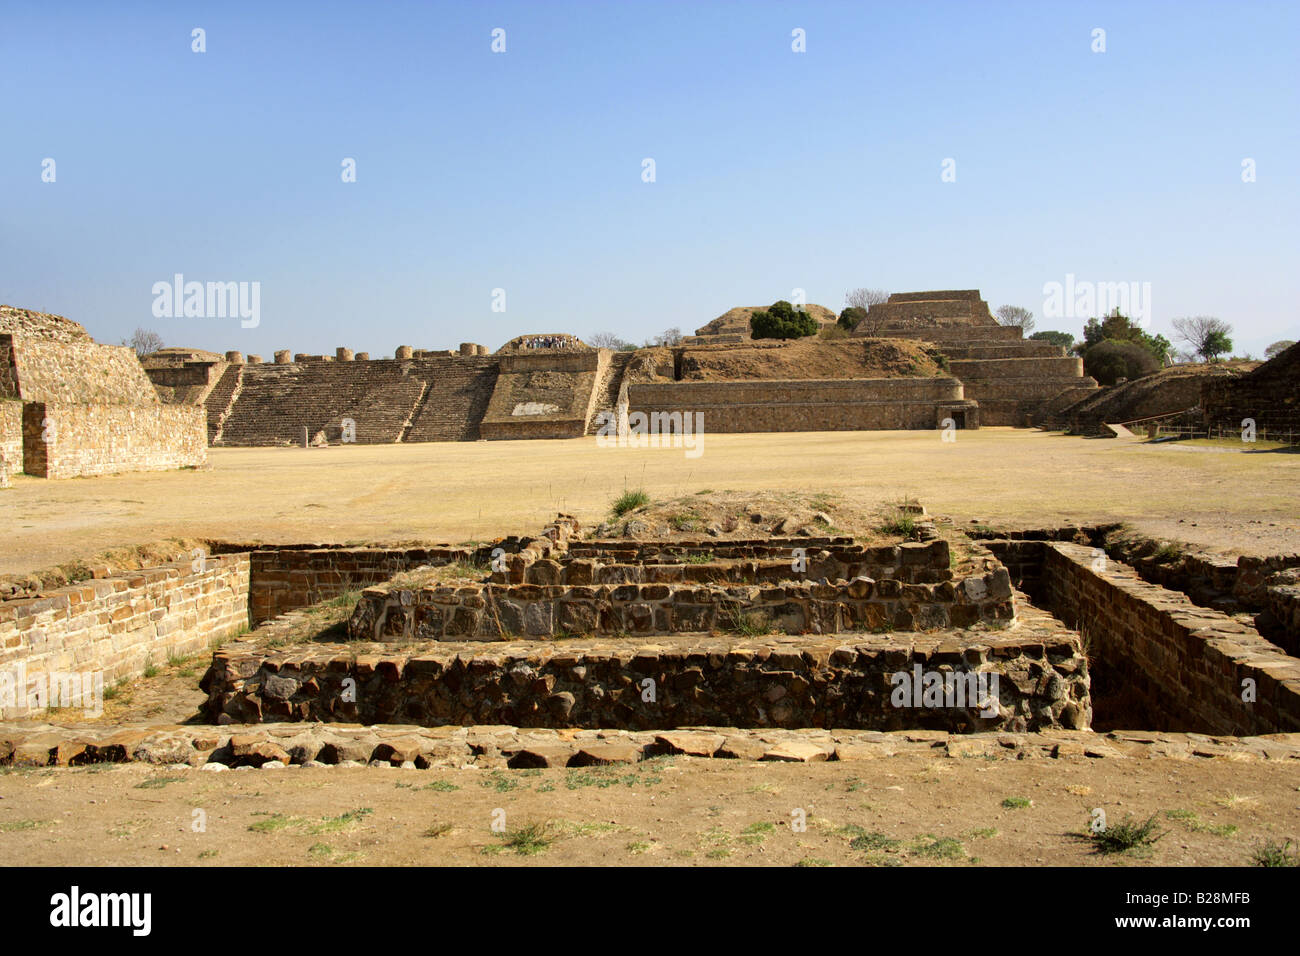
<point>604,752</point>
<point>690,743</point>
<point>797,751</point>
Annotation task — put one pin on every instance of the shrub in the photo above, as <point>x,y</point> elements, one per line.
<point>1126,835</point>
<point>850,317</point>
<point>629,501</point>
<point>782,321</point>
<point>1110,360</point>
<point>1063,339</point>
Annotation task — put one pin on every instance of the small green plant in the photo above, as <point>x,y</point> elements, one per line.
<point>901,521</point>
<point>685,522</point>
<point>437,830</point>
<point>756,833</point>
<point>529,839</point>
<point>442,786</point>
<point>1271,853</point>
<point>150,669</point>
<point>814,861</point>
<point>344,821</point>
<point>746,623</point>
<point>1166,554</point>
<point>629,501</point>
<point>499,782</point>
<point>1189,819</point>
<point>1126,835</point>
<point>942,848</point>
<point>157,783</point>
<point>346,599</point>
<point>873,841</point>
<point>1017,803</point>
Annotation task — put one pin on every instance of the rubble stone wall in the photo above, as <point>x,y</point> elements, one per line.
<point>503,612</point>
<point>1041,682</point>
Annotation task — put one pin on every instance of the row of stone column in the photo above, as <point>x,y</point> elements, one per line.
<point>285,357</point>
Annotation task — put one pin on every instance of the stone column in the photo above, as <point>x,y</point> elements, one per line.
<point>235,358</point>
<point>343,355</point>
<point>363,357</point>
<point>403,352</point>
<point>282,357</point>
<point>254,360</point>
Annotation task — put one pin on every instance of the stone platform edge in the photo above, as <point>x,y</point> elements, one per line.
<point>276,746</point>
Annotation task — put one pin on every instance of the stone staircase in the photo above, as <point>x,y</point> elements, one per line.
<point>221,401</point>
<point>1013,378</point>
<point>607,389</point>
<point>275,402</point>
<point>458,396</point>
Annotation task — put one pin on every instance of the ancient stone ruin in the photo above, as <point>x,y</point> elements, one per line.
<point>552,385</point>
<point>776,647</point>
<point>1014,381</point>
<point>71,407</point>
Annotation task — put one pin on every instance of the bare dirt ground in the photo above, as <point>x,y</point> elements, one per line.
<point>902,810</point>
<point>1224,500</point>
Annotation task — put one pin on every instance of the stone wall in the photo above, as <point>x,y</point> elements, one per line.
<point>501,612</point>
<point>1041,682</point>
<point>928,309</point>
<point>1168,663</point>
<point>1270,395</point>
<point>70,441</point>
<point>544,394</point>
<point>25,322</point>
<point>46,370</point>
<point>288,578</point>
<point>11,434</point>
<point>116,626</point>
<point>810,405</point>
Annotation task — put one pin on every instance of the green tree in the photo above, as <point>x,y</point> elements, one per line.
<point>1120,328</point>
<point>1063,339</point>
<point>1112,359</point>
<point>850,317</point>
<point>1205,335</point>
<point>1277,348</point>
<point>782,321</point>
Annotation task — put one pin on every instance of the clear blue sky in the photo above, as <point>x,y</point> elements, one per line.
<point>522,171</point>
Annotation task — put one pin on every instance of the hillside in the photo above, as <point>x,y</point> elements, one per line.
<point>736,320</point>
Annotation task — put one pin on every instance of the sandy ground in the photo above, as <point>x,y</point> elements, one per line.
<point>908,810</point>
<point>459,491</point>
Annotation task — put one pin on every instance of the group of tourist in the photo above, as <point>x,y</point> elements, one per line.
<point>548,342</point>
